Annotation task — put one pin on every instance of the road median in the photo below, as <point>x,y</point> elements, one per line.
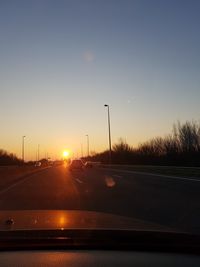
<point>176,171</point>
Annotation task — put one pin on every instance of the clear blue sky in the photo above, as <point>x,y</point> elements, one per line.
<point>61,61</point>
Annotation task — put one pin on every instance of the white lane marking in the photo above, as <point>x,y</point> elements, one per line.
<point>23,179</point>
<point>157,175</point>
<point>79,181</point>
<point>13,185</point>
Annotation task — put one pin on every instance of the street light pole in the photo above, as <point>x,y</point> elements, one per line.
<point>109,134</point>
<point>88,149</point>
<point>81,150</point>
<point>23,147</point>
<point>38,152</point>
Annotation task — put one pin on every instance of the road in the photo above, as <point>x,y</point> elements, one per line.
<point>164,200</point>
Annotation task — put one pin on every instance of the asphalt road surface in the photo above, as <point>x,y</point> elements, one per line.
<point>168,201</point>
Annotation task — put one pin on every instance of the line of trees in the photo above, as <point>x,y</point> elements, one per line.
<point>181,147</point>
<point>8,158</point>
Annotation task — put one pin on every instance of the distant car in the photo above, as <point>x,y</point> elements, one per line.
<point>88,164</point>
<point>38,164</point>
<point>76,164</point>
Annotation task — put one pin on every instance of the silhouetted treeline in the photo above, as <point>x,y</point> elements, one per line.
<point>8,158</point>
<point>181,147</point>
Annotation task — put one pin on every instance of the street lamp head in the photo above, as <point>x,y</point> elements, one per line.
<point>105,105</point>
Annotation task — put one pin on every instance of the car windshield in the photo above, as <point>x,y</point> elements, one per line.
<point>76,163</point>
<point>100,113</point>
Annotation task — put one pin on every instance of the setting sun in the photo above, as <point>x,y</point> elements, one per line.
<point>66,153</point>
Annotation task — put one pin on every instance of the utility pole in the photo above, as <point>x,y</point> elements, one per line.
<point>88,149</point>
<point>81,150</point>
<point>23,137</point>
<point>109,134</point>
<point>38,152</point>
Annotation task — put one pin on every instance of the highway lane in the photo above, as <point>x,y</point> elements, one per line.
<point>159,199</point>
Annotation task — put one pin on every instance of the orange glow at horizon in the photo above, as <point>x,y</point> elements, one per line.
<point>66,153</point>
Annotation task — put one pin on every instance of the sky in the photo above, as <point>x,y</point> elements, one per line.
<point>61,61</point>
